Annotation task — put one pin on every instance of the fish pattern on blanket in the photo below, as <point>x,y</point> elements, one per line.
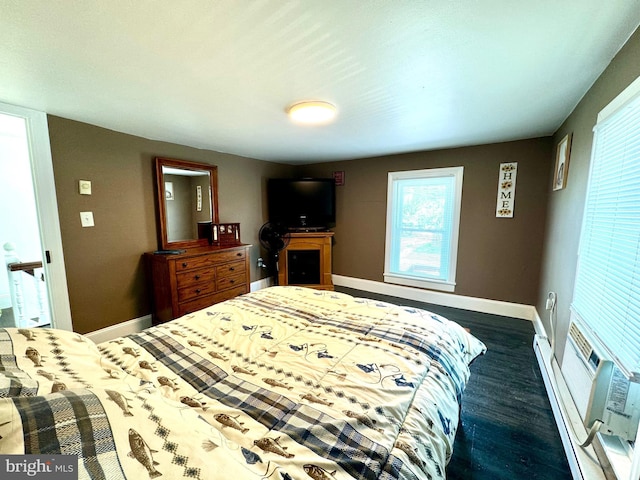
<point>285,382</point>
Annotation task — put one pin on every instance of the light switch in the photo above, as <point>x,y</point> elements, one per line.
<point>84,186</point>
<point>86,219</point>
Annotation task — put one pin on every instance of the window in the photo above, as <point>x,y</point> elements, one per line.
<point>607,289</point>
<point>423,215</point>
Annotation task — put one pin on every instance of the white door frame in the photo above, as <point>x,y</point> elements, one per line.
<point>47,212</point>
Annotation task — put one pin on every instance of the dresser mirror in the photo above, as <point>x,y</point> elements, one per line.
<point>187,202</point>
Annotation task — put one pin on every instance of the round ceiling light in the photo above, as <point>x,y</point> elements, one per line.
<point>312,112</point>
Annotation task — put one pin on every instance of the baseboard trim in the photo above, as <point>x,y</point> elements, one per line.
<point>260,284</point>
<point>539,326</point>
<point>507,309</point>
<point>120,330</point>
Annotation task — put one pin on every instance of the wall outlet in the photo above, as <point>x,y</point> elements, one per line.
<point>551,300</point>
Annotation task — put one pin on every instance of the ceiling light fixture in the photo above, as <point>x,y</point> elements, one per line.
<point>312,112</point>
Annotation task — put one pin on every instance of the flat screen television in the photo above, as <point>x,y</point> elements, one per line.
<point>302,204</point>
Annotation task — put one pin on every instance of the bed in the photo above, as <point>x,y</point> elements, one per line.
<point>283,383</point>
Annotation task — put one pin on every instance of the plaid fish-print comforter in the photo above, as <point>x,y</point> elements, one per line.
<point>283,383</point>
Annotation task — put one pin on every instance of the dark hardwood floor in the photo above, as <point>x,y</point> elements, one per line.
<point>507,429</point>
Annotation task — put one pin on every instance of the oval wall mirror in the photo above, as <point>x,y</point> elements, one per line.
<point>187,202</point>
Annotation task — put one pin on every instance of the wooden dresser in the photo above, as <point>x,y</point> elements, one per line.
<point>193,280</point>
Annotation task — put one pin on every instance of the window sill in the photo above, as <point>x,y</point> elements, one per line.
<point>419,282</point>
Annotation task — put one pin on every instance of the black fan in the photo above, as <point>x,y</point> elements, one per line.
<point>274,239</point>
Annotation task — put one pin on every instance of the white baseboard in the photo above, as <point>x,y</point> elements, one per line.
<point>120,330</point>
<point>260,284</point>
<point>539,326</point>
<point>507,309</point>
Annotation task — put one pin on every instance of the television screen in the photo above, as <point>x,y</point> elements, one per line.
<point>302,204</point>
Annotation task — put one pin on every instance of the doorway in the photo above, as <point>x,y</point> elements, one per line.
<point>33,286</point>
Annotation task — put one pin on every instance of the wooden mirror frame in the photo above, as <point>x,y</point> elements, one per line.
<point>212,170</point>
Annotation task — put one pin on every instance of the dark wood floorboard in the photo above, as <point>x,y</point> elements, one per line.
<point>507,429</point>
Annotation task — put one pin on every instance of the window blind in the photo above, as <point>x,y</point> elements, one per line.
<point>607,288</point>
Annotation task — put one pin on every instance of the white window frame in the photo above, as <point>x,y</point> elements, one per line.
<point>449,284</point>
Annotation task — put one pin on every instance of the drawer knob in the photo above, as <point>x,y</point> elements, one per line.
<point>184,264</point>
<point>239,254</point>
<point>197,277</point>
<point>232,281</point>
<point>198,290</point>
<point>231,269</point>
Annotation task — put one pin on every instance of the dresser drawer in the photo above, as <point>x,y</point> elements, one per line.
<point>228,281</point>
<point>210,260</point>
<point>223,257</point>
<point>192,263</point>
<point>204,302</point>
<point>196,290</point>
<point>196,277</point>
<point>230,269</point>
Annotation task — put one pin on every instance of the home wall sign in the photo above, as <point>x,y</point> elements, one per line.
<point>506,190</point>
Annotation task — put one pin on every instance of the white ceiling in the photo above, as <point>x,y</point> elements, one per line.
<point>218,74</point>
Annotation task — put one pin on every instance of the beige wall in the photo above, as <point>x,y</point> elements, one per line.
<point>105,274</point>
<point>566,206</point>
<point>498,258</point>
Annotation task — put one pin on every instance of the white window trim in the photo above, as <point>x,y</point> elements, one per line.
<point>620,101</point>
<point>389,277</point>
